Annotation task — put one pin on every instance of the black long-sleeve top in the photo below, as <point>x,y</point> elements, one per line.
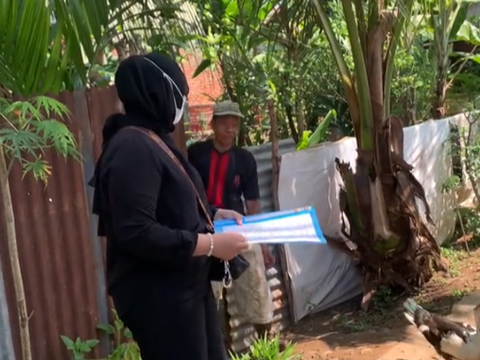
<point>151,219</point>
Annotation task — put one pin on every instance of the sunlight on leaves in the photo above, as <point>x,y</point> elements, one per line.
<point>30,128</point>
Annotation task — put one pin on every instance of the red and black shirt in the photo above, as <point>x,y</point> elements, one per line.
<point>226,176</point>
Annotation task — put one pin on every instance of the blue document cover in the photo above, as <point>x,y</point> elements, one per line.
<point>278,227</point>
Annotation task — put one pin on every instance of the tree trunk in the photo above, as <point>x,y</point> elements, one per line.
<point>443,64</point>
<point>300,118</point>
<point>23,317</point>
<point>438,108</point>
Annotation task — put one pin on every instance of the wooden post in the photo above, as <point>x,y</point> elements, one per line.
<point>275,154</point>
<point>275,175</point>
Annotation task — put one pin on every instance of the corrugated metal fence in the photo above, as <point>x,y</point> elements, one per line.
<point>61,257</point>
<point>242,334</point>
<point>60,260</point>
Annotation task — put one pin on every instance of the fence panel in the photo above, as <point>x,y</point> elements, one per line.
<point>241,332</point>
<point>56,255</point>
<point>61,256</point>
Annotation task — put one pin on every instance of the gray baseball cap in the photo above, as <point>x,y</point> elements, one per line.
<point>227,108</point>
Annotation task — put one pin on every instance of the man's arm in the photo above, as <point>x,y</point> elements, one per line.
<point>250,190</point>
<point>253,207</point>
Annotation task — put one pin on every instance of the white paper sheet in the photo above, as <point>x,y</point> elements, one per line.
<point>295,226</point>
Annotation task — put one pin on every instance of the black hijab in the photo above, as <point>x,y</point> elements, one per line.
<point>149,101</point>
<point>147,95</point>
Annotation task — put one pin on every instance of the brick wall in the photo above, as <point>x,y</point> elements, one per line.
<point>204,89</point>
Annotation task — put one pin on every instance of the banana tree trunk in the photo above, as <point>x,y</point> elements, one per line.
<point>440,96</point>
<point>391,240</point>
<point>23,317</point>
<point>441,50</point>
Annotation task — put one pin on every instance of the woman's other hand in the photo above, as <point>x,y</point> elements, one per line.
<point>225,214</point>
<point>228,245</point>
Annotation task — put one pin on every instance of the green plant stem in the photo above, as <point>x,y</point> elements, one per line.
<point>345,75</point>
<point>462,65</point>
<point>387,90</point>
<point>363,88</point>
<point>334,44</point>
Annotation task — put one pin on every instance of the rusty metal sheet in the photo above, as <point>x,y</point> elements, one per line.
<point>103,103</point>
<point>242,334</point>
<point>56,255</point>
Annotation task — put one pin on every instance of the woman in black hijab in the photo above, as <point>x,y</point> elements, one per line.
<point>158,239</point>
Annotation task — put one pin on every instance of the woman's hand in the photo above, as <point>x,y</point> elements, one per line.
<point>228,245</point>
<point>225,214</point>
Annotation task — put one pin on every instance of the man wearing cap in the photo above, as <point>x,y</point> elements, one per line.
<point>230,173</point>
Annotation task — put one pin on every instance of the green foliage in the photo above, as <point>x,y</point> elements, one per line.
<point>29,129</point>
<point>117,330</point>
<point>267,349</point>
<point>124,347</point>
<point>465,150</point>
<point>79,348</point>
<point>412,84</point>
<point>49,46</point>
<point>446,22</point>
<point>452,183</point>
<point>471,225</point>
<point>291,62</point>
<point>31,57</point>
<point>384,298</point>
<point>320,134</point>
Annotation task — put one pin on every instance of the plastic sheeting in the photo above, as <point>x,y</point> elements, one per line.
<point>322,276</point>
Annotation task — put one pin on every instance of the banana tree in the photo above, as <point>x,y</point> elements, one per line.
<point>385,229</point>
<point>447,22</point>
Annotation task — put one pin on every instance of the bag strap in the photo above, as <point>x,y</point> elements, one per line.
<point>172,156</point>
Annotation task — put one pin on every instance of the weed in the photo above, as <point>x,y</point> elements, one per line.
<point>454,257</point>
<point>124,346</point>
<point>471,226</point>
<point>383,297</point>
<point>460,293</point>
<point>267,349</point>
<point>79,348</point>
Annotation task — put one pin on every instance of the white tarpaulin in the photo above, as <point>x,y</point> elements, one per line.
<point>322,276</point>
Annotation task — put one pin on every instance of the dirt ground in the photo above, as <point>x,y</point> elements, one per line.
<point>347,333</point>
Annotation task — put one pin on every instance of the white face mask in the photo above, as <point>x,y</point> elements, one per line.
<point>178,110</point>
